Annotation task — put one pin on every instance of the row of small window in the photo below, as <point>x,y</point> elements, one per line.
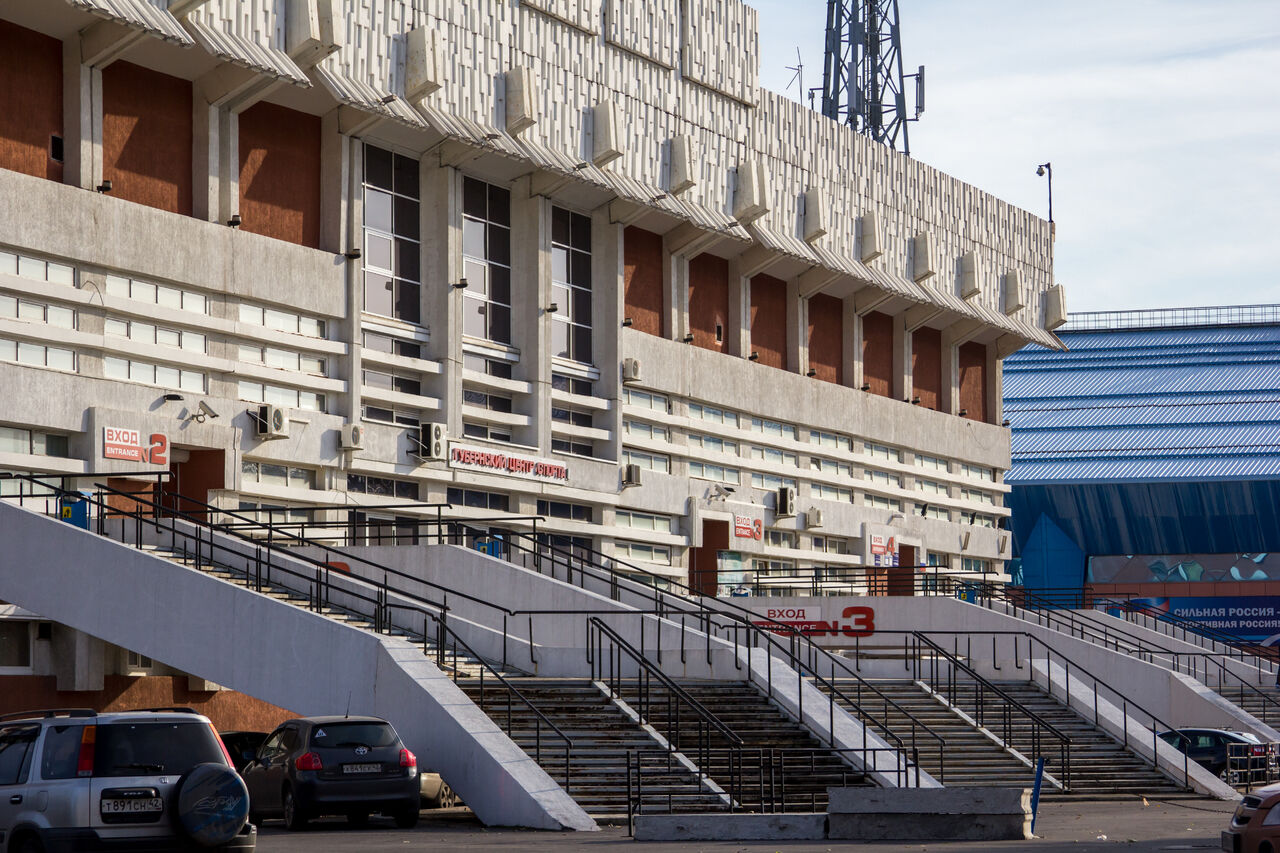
<point>645,521</point>
<point>36,269</point>
<point>281,321</point>
<point>279,358</point>
<point>289,398</point>
<point>147,333</point>
<point>477,499</point>
<point>562,509</point>
<point>697,411</point>
<point>643,552</point>
<point>37,312</point>
<point>271,474</point>
<point>33,442</point>
<point>37,355</point>
<point>388,487</point>
<point>157,294</point>
<point>486,432</point>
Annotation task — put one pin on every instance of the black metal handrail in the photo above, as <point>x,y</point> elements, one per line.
<point>1009,706</point>
<point>1157,725</point>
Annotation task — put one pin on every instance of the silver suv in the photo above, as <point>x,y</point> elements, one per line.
<point>153,780</point>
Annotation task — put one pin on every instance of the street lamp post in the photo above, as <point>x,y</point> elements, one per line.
<point>1042,170</point>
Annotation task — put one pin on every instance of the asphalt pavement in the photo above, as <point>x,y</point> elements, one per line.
<point>1175,824</point>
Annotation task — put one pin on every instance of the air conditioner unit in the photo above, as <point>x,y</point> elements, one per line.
<point>631,475</point>
<point>786,501</point>
<point>432,444</point>
<point>813,518</point>
<point>272,422</point>
<point>352,437</point>
<point>631,370</point>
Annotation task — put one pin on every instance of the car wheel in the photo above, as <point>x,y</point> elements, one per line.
<point>358,819</point>
<point>294,817</point>
<point>448,797</point>
<point>407,818</point>
<point>29,843</point>
<point>1265,847</point>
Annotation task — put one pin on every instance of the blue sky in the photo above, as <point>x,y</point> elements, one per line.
<point>1161,119</point>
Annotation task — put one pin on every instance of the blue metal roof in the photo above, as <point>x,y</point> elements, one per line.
<point>1148,404</point>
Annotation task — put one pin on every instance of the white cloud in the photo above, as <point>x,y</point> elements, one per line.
<point>1161,118</point>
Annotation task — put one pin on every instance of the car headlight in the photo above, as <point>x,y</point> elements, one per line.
<point>1273,816</point>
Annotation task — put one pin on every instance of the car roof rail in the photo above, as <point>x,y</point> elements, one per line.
<point>176,709</point>
<point>46,713</point>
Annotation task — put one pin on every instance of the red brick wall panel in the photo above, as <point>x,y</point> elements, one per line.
<point>642,259</point>
<point>769,320</point>
<point>972,363</point>
<point>826,338</point>
<point>926,366</point>
<point>147,136</point>
<point>280,174</point>
<point>30,100</point>
<point>877,353</point>
<point>709,301</point>
<point>229,711</point>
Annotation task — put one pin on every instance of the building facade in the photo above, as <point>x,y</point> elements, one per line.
<point>1146,463</point>
<point>337,262</point>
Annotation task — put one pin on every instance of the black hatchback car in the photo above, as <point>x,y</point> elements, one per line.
<point>353,766</point>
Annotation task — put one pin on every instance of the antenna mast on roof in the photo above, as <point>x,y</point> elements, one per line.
<point>862,80</point>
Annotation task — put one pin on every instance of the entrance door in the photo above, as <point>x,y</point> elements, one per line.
<point>704,564</point>
<point>200,472</point>
<point>902,578</point>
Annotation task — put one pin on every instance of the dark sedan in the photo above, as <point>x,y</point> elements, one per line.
<point>353,766</point>
<point>1236,758</point>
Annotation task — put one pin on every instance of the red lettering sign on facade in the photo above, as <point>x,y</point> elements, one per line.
<point>126,444</point>
<point>479,459</point>
<point>745,527</point>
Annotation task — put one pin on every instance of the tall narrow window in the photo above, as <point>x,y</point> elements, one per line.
<point>392,259</point>
<point>486,260</point>
<point>571,285</point>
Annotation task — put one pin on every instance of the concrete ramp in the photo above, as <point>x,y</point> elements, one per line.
<point>278,653</point>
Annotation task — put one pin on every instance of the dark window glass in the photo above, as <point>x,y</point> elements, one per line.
<point>374,413</point>
<point>377,167</point>
<point>56,445</point>
<point>582,343</point>
<point>356,483</point>
<point>500,285</point>
<point>499,244</point>
<point>132,749</point>
<point>407,489</point>
<point>475,499</point>
<point>408,386</point>
<point>582,306</point>
<point>580,269</point>
<point>408,261</point>
<point>560,225</point>
<point>381,486</point>
<point>500,323</point>
<point>60,757</point>
<point>499,205</point>
<point>408,349</point>
<point>474,198</point>
<point>15,742</point>
<point>408,303</point>
<point>500,369</point>
<point>475,431</point>
<point>581,232</point>
<point>406,218</point>
<point>406,176</point>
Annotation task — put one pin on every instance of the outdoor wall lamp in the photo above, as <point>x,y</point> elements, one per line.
<point>1047,169</point>
<point>461,284</point>
<point>104,187</point>
<point>234,221</point>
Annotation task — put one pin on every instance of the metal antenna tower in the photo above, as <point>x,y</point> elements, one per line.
<point>862,79</point>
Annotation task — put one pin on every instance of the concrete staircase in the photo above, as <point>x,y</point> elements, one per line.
<point>781,761</point>
<point>1100,765</point>
<point>972,759</point>
<point>603,739</point>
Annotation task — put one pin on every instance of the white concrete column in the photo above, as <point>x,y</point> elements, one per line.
<point>851,345</point>
<point>81,118</point>
<point>79,660</point>
<point>206,160</point>
<point>797,355</point>
<point>949,397</point>
<point>737,337</point>
<point>901,359</point>
<point>608,298</point>
<point>995,386</point>
<point>530,321</point>
<point>336,189</point>
<point>346,227</point>
<point>228,165</point>
<point>440,189</point>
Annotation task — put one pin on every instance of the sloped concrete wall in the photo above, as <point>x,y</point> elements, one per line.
<point>276,652</point>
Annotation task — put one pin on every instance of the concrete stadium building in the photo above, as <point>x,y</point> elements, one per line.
<point>342,262</point>
<point>1146,462</point>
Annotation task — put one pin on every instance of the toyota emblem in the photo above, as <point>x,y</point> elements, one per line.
<point>362,750</point>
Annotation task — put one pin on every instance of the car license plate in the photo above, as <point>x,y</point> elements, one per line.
<point>132,805</point>
<point>362,768</point>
